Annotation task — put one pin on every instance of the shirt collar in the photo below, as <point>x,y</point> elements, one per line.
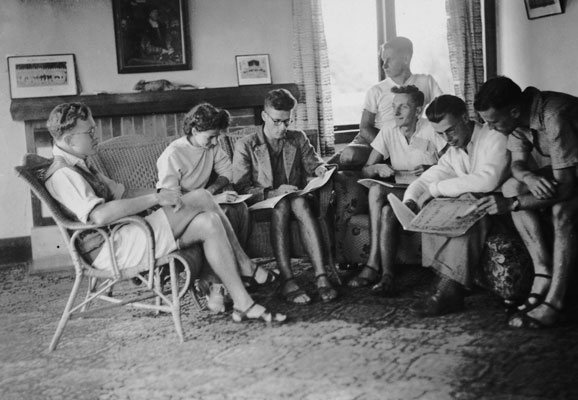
<point>69,158</point>
<point>532,103</point>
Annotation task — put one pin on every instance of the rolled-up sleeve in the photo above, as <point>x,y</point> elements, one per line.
<point>73,192</point>
<point>223,166</point>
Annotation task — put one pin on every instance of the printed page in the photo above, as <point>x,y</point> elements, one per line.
<point>239,199</point>
<point>404,215</point>
<point>317,182</point>
<point>269,203</point>
<point>447,217</point>
<point>367,182</point>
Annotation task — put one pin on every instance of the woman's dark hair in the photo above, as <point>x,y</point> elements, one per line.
<point>64,117</point>
<point>206,117</point>
<point>444,105</point>
<point>498,93</point>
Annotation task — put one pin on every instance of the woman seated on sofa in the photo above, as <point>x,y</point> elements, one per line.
<point>180,222</point>
<point>190,163</point>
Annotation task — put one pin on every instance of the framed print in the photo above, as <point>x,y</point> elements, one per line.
<point>542,8</point>
<point>253,69</point>
<point>151,35</point>
<point>42,76</point>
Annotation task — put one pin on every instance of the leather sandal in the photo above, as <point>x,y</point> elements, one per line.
<point>539,297</point>
<point>523,321</point>
<point>291,296</point>
<point>251,283</point>
<point>362,281</point>
<point>265,316</point>
<point>326,293</point>
<point>385,287</point>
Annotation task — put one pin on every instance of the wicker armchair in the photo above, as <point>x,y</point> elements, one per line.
<point>182,266</point>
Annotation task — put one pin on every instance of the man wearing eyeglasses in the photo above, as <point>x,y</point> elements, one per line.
<point>273,161</point>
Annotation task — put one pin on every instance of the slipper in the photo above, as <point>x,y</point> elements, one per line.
<point>527,322</point>
<point>265,316</point>
<point>362,281</point>
<point>292,295</point>
<point>326,293</point>
<point>251,283</point>
<point>385,287</point>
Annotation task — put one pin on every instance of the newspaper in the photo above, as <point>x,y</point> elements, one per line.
<point>313,185</point>
<point>443,216</point>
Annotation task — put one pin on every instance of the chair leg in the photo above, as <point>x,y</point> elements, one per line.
<point>326,237</point>
<point>176,303</point>
<point>66,314</point>
<point>92,282</point>
<point>158,286</point>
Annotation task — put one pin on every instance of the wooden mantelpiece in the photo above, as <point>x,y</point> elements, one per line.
<point>120,104</point>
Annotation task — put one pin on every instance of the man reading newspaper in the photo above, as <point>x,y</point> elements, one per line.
<point>476,162</point>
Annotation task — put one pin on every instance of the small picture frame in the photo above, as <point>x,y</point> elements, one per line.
<point>253,69</point>
<point>543,8</point>
<point>42,76</point>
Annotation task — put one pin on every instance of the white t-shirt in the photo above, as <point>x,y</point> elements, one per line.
<point>185,167</point>
<point>379,98</point>
<point>423,147</point>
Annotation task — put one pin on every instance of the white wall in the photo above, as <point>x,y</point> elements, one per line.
<point>540,52</point>
<point>220,29</point>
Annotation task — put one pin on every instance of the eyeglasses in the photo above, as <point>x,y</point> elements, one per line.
<point>278,122</point>
<point>91,132</point>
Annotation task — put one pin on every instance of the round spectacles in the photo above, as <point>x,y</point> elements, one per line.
<point>278,122</point>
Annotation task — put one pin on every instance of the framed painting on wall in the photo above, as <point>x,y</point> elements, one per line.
<point>151,35</point>
<point>42,76</point>
<point>542,8</point>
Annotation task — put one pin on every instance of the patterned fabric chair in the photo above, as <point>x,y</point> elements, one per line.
<point>182,265</point>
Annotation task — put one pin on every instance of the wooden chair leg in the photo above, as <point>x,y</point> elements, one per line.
<point>176,303</point>
<point>66,314</point>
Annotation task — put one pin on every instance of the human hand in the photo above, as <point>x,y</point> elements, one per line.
<point>541,188</point>
<point>494,205</point>
<point>171,198</point>
<point>283,189</point>
<point>320,170</point>
<point>226,197</point>
<point>383,170</point>
<point>420,169</point>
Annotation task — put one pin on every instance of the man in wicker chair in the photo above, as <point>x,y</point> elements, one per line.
<point>181,221</point>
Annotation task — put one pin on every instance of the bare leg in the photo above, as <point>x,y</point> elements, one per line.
<point>311,240</point>
<point>280,237</point>
<point>390,231</point>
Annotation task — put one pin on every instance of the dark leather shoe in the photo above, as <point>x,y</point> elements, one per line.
<point>448,298</point>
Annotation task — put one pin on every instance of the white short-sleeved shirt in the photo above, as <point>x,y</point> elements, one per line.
<point>70,189</point>
<point>423,148</point>
<point>379,98</point>
<point>183,166</point>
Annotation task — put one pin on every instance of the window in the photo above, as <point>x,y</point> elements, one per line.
<point>351,31</point>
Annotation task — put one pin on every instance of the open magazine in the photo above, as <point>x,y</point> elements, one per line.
<point>313,185</point>
<point>369,182</point>
<point>239,199</point>
<point>443,216</point>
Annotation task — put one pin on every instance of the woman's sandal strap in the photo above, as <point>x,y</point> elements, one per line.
<point>545,276</point>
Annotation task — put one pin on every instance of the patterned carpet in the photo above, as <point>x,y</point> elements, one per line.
<point>359,347</point>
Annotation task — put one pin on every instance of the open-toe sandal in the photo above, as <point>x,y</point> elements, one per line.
<point>265,316</point>
<point>361,280</point>
<point>527,322</point>
<point>326,293</point>
<point>385,287</point>
<point>293,295</point>
<point>251,283</point>
<point>538,297</point>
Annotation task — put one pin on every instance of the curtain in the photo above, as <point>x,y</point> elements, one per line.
<point>311,73</point>
<point>465,40</point>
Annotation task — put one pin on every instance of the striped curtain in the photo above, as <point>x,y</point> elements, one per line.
<point>311,73</point>
<point>465,40</point>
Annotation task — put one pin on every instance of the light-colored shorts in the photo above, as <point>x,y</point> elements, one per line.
<point>130,243</point>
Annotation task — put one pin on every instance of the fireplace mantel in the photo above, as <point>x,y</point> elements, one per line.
<point>147,103</point>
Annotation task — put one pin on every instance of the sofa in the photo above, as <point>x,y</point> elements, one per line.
<point>505,267</point>
<point>131,160</point>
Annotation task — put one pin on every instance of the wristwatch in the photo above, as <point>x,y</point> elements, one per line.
<point>516,204</point>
